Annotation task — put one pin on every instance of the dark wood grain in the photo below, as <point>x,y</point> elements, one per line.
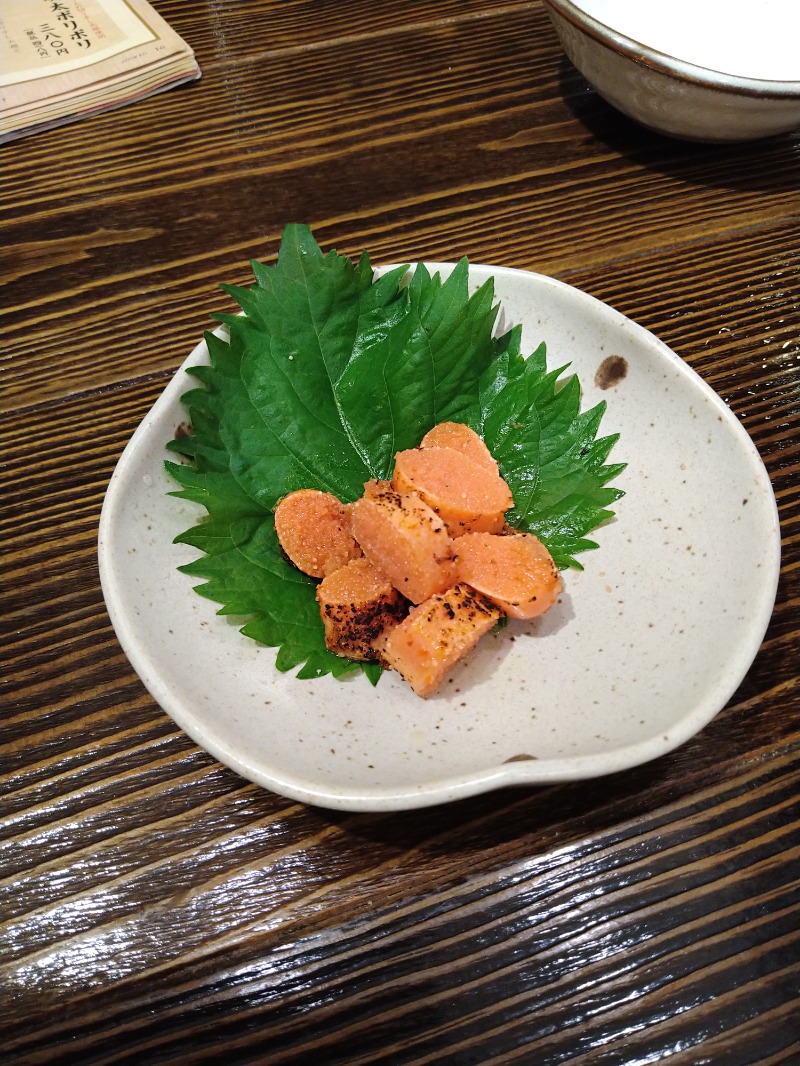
<point>508,169</point>
<point>157,908</point>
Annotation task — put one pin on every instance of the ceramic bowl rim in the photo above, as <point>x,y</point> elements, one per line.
<point>672,66</point>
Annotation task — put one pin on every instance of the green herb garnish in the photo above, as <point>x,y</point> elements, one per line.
<point>327,374</point>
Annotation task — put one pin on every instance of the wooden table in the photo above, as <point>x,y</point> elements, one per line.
<point>158,908</point>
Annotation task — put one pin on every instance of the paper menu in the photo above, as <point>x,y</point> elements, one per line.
<point>63,59</point>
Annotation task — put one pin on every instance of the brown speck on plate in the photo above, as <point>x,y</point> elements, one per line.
<point>610,372</point>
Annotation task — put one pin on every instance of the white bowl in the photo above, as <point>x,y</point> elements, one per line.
<point>703,70</point>
<point>646,645</point>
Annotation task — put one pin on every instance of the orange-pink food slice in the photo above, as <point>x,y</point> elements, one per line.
<point>437,635</point>
<point>460,438</point>
<point>314,530</point>
<point>516,572</point>
<point>467,495</point>
<point>358,603</point>
<point>405,539</point>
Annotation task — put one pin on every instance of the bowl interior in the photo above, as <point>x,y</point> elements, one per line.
<point>756,40</point>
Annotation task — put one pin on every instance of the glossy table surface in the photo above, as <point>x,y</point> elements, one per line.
<point>157,908</point>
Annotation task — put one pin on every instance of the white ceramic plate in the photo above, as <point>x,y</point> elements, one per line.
<point>647,645</point>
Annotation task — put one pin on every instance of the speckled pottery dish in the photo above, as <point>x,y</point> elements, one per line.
<point>704,70</point>
<point>648,642</point>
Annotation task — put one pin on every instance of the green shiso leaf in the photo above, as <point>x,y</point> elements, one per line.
<point>326,374</point>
